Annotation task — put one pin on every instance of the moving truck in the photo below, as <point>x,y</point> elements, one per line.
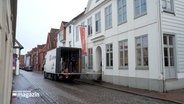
<point>63,63</point>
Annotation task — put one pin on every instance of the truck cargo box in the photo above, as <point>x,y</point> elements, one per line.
<point>63,61</point>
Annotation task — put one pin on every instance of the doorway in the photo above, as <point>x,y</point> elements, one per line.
<point>99,63</point>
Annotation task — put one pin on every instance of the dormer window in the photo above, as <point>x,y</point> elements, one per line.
<point>168,5</point>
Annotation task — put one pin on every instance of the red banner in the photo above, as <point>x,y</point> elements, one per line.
<point>83,39</point>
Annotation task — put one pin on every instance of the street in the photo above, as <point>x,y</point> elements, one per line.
<point>72,92</point>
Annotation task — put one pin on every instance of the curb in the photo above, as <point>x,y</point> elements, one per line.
<point>130,92</point>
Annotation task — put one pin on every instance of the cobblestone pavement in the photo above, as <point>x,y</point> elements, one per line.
<point>22,84</point>
<point>78,93</point>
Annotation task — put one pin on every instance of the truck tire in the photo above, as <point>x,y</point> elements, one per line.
<point>56,77</point>
<point>52,76</point>
<point>45,75</point>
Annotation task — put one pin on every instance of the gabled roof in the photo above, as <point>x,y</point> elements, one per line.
<point>41,46</point>
<point>64,22</point>
<point>19,45</point>
<point>63,25</point>
<point>52,35</point>
<point>75,18</point>
<point>89,4</point>
<point>94,5</point>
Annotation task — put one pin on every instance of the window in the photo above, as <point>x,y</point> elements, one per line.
<point>168,5</point>
<point>109,55</point>
<point>98,22</point>
<point>90,58</point>
<point>123,53</point>
<point>142,51</point>
<point>89,26</point>
<point>70,30</point>
<point>169,50</point>
<point>108,17</point>
<point>140,7</point>
<point>77,34</point>
<point>122,12</point>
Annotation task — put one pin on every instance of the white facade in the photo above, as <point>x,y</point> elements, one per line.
<point>69,37</point>
<point>146,32</point>
<point>60,41</point>
<point>17,51</point>
<point>16,68</point>
<point>7,34</point>
<point>172,22</point>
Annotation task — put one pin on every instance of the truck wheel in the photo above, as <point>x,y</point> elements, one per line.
<point>52,76</point>
<point>55,77</point>
<point>45,75</point>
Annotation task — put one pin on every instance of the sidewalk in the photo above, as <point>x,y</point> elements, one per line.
<point>21,84</point>
<point>176,96</point>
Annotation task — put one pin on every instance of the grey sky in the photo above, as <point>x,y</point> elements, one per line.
<point>36,17</point>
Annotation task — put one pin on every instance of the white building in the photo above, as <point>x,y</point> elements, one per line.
<point>135,43</point>
<point>16,57</point>
<point>61,36</point>
<point>8,13</point>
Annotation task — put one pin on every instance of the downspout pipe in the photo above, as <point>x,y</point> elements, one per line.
<point>161,43</point>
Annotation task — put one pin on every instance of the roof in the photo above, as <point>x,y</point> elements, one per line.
<point>41,46</point>
<point>75,18</point>
<point>64,22</point>
<point>51,36</point>
<point>19,45</point>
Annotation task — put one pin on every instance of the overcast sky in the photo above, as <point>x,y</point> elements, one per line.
<point>35,18</point>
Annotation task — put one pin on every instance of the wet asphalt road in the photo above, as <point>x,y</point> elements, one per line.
<point>60,92</point>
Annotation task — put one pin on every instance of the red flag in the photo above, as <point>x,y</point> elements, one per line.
<point>83,39</point>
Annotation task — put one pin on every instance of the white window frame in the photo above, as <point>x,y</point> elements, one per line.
<point>109,58</point>
<point>90,58</point>
<point>108,17</point>
<point>123,47</point>
<point>169,46</point>
<point>140,5</point>
<point>142,56</point>
<point>98,22</point>
<point>90,28</point>
<point>168,6</point>
<point>122,11</point>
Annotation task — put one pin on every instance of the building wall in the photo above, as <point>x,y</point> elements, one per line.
<point>69,36</point>
<point>16,68</point>
<point>22,57</point>
<point>6,47</point>
<point>145,25</point>
<point>173,24</point>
